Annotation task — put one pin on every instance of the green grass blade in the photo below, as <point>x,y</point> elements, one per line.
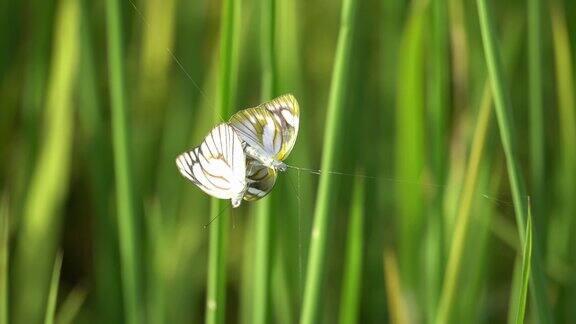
<point>537,154</point>
<point>226,92</point>
<point>333,128</point>
<point>515,289</point>
<point>351,285</point>
<point>439,83</point>
<point>526,261</point>
<point>71,306</point>
<point>41,220</point>
<point>261,278</point>
<point>409,149</point>
<point>563,238</point>
<point>98,154</point>
<point>4,257</point>
<point>503,112</point>
<point>53,294</point>
<point>399,312</point>
<point>124,191</point>
<point>262,235</point>
<point>457,244</point>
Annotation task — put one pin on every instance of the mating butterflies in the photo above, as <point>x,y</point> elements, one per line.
<point>239,160</point>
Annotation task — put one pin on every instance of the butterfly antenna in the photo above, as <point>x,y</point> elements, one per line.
<point>213,219</point>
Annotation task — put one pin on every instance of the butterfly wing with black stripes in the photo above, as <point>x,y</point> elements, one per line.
<point>218,165</point>
<point>260,179</point>
<point>271,128</point>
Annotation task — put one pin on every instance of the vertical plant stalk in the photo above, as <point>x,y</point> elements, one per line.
<point>526,260</point>
<point>53,295</point>
<point>326,190</point>
<point>439,84</point>
<point>503,113</point>
<point>4,257</point>
<point>457,245</point>
<point>216,296</point>
<point>399,311</point>
<point>537,161</point>
<point>409,146</point>
<point>41,219</point>
<point>567,123</point>
<point>122,167</point>
<point>352,280</point>
<point>262,264</point>
<point>98,154</point>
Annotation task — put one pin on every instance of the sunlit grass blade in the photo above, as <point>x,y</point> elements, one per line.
<point>42,216</point>
<point>399,313</point>
<point>71,306</point>
<point>457,244</point>
<point>315,269</point>
<point>526,261</point>
<point>262,231</point>
<point>4,257</point>
<point>53,294</point>
<point>122,165</point>
<point>409,149</point>
<point>507,135</point>
<point>226,93</point>
<point>352,280</point>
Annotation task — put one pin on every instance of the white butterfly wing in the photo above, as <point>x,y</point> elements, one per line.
<point>217,166</point>
<point>271,128</point>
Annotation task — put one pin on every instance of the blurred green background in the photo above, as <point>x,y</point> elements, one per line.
<point>445,132</point>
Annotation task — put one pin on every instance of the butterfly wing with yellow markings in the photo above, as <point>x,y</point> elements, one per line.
<point>271,128</point>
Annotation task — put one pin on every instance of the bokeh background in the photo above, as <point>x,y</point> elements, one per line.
<point>419,213</point>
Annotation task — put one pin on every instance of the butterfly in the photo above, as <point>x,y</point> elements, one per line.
<point>239,160</point>
<point>221,169</point>
<point>269,130</point>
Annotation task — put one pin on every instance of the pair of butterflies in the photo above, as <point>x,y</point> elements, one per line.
<point>240,159</point>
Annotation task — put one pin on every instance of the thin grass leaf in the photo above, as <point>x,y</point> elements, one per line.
<point>567,123</point>
<point>399,312</point>
<point>502,105</point>
<point>226,92</point>
<point>326,190</point>
<point>98,156</point>
<point>439,83</point>
<point>71,306</point>
<point>53,294</point>
<point>352,280</point>
<point>122,165</point>
<point>42,216</point>
<point>562,238</point>
<point>537,154</point>
<point>526,262</point>
<point>455,255</point>
<point>262,234</point>
<point>409,154</point>
<point>4,258</point>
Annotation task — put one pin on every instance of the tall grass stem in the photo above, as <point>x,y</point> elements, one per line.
<point>326,190</point>
<point>122,165</point>
<point>502,106</point>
